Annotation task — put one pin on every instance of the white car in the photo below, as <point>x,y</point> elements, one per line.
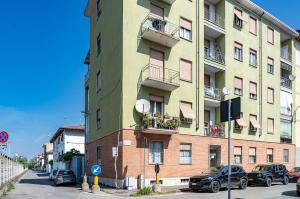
<point>52,175</point>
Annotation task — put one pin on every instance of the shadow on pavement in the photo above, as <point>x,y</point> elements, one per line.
<point>290,193</point>
<point>36,181</point>
<point>42,174</point>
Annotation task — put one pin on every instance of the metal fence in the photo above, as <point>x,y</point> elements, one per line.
<point>9,169</point>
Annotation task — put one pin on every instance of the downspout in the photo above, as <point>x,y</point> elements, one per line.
<point>260,72</point>
<point>197,63</point>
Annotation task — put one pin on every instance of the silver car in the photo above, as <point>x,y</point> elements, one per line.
<point>64,177</point>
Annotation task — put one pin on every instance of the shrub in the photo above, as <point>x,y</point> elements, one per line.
<point>143,192</point>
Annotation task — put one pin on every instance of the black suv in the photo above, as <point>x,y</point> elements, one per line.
<point>216,178</point>
<point>266,174</point>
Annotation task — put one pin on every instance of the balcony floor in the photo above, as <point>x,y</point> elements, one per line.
<point>160,37</point>
<point>160,131</point>
<point>159,84</point>
<point>212,30</point>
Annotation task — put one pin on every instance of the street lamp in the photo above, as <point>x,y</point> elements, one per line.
<point>226,91</point>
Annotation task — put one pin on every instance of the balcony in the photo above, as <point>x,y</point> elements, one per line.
<point>212,96</point>
<point>87,77</point>
<point>160,31</point>
<point>214,131</point>
<point>169,1</point>
<point>286,55</point>
<point>159,77</point>
<point>160,124</point>
<point>214,24</point>
<point>286,82</point>
<point>214,60</point>
<point>214,18</point>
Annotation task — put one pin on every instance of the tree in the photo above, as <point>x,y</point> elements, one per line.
<point>68,155</point>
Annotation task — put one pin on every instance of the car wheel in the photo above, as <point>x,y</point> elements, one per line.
<point>285,180</point>
<point>215,186</point>
<point>243,184</point>
<point>268,182</point>
<point>194,190</point>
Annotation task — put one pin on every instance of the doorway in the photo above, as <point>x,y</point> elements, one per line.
<point>214,155</point>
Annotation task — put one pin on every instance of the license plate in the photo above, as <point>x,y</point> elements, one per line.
<point>194,184</point>
<point>250,179</point>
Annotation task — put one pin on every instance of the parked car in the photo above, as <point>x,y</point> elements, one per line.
<point>216,178</point>
<point>267,174</point>
<point>298,187</point>
<point>294,174</point>
<point>64,177</point>
<point>52,175</point>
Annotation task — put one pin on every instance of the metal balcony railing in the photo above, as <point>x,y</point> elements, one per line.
<point>214,18</point>
<point>213,93</point>
<point>286,82</point>
<point>286,55</point>
<point>160,25</point>
<point>161,74</point>
<point>214,130</point>
<point>87,76</point>
<point>214,55</point>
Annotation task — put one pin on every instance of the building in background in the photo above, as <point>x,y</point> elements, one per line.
<point>178,55</point>
<point>65,139</point>
<point>48,156</point>
<point>297,105</point>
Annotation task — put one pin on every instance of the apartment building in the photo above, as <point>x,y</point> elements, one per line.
<point>177,56</point>
<point>297,105</point>
<point>65,139</point>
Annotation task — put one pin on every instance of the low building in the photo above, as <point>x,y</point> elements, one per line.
<point>48,156</point>
<point>65,139</point>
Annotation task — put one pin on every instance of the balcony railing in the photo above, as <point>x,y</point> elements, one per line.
<point>160,77</point>
<point>169,1</point>
<point>286,82</point>
<point>160,124</point>
<point>213,93</point>
<point>87,76</point>
<point>214,55</point>
<point>160,31</point>
<point>214,130</point>
<point>286,111</point>
<point>286,55</point>
<point>214,18</point>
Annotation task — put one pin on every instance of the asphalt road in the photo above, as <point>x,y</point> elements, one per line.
<point>37,186</point>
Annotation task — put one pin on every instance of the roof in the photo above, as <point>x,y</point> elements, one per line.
<point>88,8</point>
<point>62,129</point>
<point>298,38</point>
<point>266,15</point>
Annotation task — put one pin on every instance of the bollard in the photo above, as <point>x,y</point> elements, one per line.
<point>96,187</point>
<point>85,186</point>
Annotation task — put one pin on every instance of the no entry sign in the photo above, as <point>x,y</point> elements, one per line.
<point>3,137</point>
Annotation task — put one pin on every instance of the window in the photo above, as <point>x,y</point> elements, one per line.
<point>270,67</point>
<point>237,155</point>
<point>156,105</point>
<point>185,29</point>
<point>252,155</point>
<point>270,35</point>
<point>270,95</point>
<point>186,112</point>
<point>98,81</point>
<point>206,12</point>
<point>99,9</point>
<point>269,155</point>
<point>185,153</point>
<point>185,70</point>
<point>238,17</point>
<point>270,125</point>
<point>254,125</point>
<point>253,90</point>
<point>98,119</point>
<point>252,25</point>
<point>238,86</point>
<point>285,155</point>
<point>239,123</point>
<point>156,155</point>
<point>238,51</point>
<point>253,57</point>
<point>99,48</point>
<point>98,155</point>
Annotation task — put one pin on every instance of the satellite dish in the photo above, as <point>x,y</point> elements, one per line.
<point>292,77</point>
<point>142,106</point>
<point>226,91</point>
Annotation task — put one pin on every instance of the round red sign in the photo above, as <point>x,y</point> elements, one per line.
<point>3,137</point>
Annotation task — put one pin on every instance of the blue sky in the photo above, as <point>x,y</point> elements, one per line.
<point>42,48</point>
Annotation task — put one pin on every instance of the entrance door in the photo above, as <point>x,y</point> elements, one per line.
<point>156,65</point>
<point>215,155</point>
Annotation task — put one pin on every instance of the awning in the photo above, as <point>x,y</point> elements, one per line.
<point>241,122</point>
<point>254,123</point>
<point>239,15</point>
<point>186,110</point>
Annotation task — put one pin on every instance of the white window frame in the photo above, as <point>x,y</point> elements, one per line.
<point>183,159</point>
<point>152,156</point>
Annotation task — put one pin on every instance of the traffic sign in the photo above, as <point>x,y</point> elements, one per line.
<point>3,137</point>
<point>96,170</point>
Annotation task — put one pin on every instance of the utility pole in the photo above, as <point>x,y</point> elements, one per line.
<point>229,146</point>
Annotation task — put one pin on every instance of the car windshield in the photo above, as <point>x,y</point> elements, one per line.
<point>64,172</point>
<point>262,168</point>
<point>213,170</point>
<point>296,169</point>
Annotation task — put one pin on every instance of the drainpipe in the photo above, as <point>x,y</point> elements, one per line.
<point>197,63</point>
<point>260,72</point>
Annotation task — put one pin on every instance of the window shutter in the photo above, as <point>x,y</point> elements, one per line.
<point>186,24</point>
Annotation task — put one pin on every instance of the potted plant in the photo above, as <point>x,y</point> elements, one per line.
<point>146,121</point>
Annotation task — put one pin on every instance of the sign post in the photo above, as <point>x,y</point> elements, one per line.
<point>96,170</point>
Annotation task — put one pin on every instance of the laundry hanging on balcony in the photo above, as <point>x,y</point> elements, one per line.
<point>286,101</point>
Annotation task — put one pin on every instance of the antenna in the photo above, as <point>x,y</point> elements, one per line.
<point>142,106</point>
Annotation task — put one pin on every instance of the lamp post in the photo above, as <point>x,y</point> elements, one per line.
<point>226,91</point>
